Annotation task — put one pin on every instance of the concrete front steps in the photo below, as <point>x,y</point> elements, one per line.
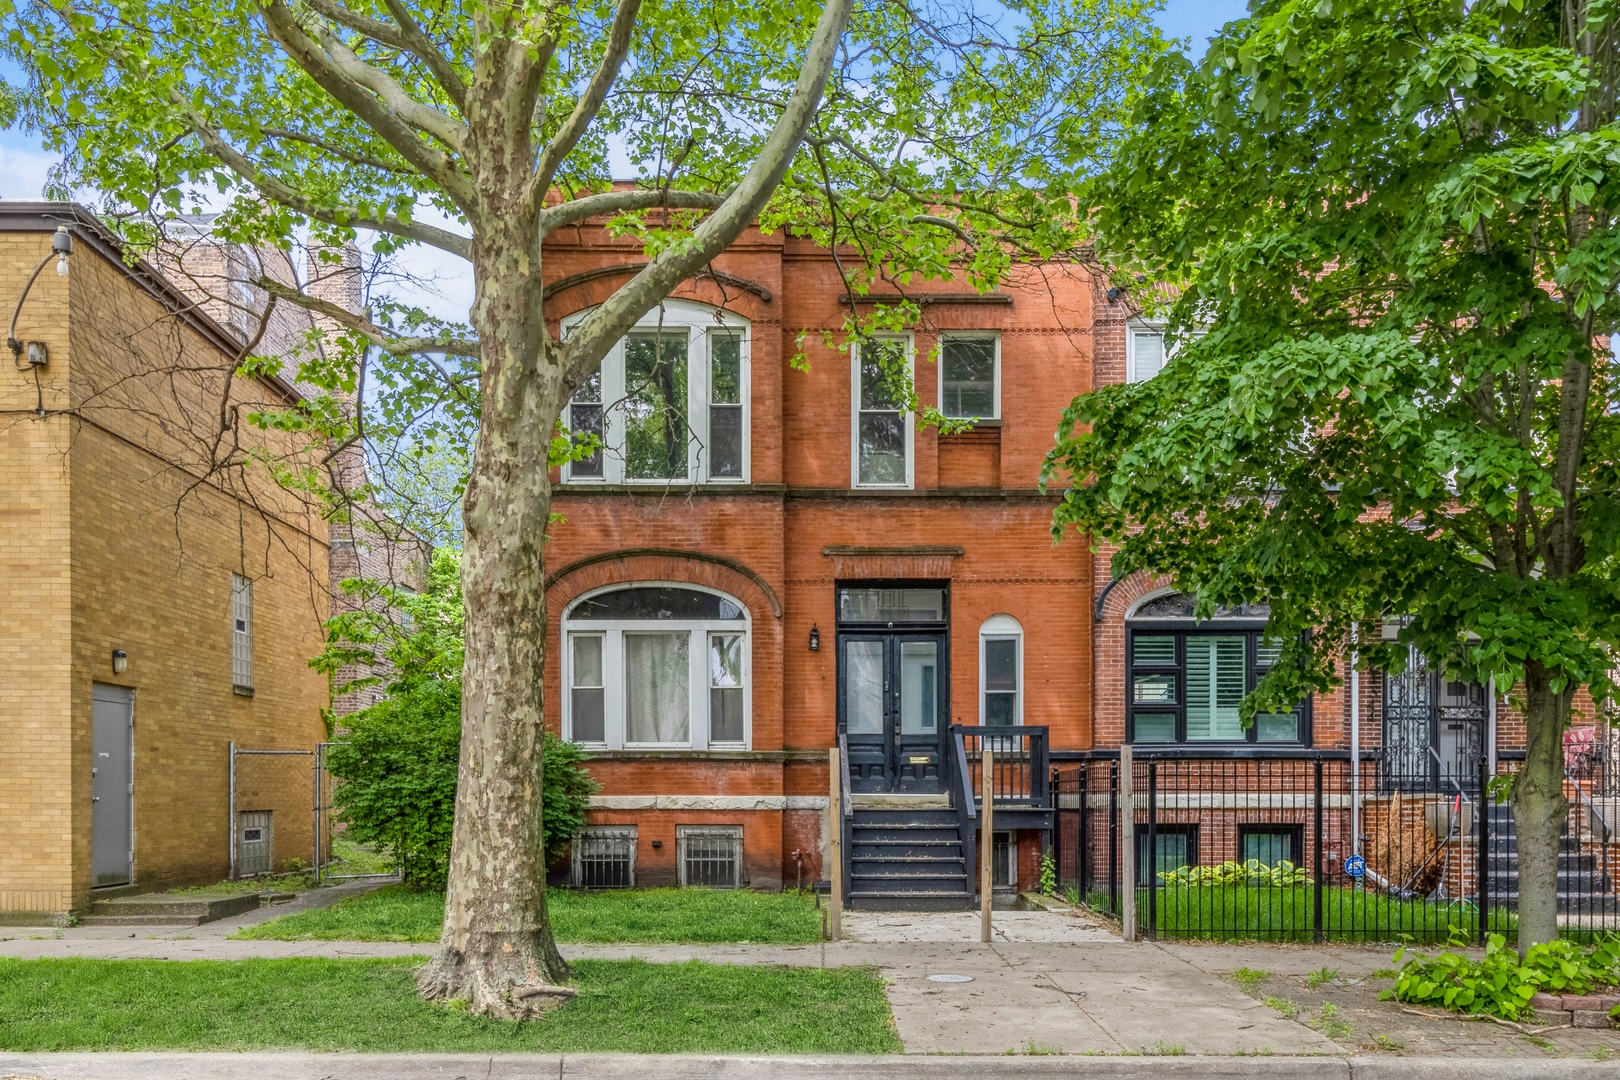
<point>167,909</point>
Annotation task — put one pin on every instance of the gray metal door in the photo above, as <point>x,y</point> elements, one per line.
<point>112,785</point>
<point>258,842</point>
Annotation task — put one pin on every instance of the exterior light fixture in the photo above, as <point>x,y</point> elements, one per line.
<point>1113,294</point>
<point>61,248</point>
<point>815,639</point>
<point>120,661</point>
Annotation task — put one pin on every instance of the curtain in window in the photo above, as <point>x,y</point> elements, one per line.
<point>863,687</point>
<point>725,688</point>
<point>657,673</point>
<point>1215,681</point>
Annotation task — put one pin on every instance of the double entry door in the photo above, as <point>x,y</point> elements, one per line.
<point>892,701</point>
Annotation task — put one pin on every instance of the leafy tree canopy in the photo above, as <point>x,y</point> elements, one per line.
<point>1385,235</point>
<point>1386,241</point>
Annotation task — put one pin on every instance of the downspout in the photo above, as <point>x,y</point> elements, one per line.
<point>1490,733</point>
<point>1355,743</point>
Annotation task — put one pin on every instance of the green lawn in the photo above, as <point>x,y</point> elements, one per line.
<point>640,916</point>
<point>1286,914</point>
<point>371,1005</point>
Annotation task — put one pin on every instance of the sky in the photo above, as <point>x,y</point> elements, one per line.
<point>446,288</point>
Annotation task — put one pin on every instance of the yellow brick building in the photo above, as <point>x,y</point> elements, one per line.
<point>133,521</point>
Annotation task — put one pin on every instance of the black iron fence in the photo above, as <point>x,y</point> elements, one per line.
<point>1313,846</point>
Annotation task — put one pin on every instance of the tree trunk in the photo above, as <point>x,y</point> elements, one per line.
<point>1540,808</point>
<point>496,951</point>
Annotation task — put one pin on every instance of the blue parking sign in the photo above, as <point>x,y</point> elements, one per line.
<point>1355,866</point>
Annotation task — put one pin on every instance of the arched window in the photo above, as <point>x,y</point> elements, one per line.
<point>1001,671</point>
<point>670,401</point>
<point>658,666</point>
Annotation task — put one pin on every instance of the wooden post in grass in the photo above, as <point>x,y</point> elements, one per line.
<point>835,846</point>
<point>987,876</point>
<point>1127,846</point>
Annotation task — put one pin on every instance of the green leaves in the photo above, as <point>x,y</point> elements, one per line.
<point>1499,984</point>
<point>1390,247</point>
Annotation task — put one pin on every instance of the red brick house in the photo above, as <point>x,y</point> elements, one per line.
<point>763,557</point>
<point>768,557</point>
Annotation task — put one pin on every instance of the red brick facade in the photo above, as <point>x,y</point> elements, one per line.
<point>773,543</point>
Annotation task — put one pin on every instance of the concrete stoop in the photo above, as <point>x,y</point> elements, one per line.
<point>161,909</point>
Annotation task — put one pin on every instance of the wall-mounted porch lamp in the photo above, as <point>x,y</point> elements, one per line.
<point>38,355</point>
<point>815,639</point>
<point>120,661</point>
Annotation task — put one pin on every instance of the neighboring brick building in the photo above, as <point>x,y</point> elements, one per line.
<point>155,608</point>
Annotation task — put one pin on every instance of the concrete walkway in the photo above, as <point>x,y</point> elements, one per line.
<point>633,1067</point>
<point>1048,984</point>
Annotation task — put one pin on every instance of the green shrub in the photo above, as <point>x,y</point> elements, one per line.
<point>1252,872</point>
<point>395,763</point>
<point>1498,984</point>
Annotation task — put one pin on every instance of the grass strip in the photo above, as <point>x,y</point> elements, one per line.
<point>1287,914</point>
<point>624,1006</point>
<point>638,916</point>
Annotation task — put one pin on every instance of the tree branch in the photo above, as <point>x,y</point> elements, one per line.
<point>420,45</point>
<point>407,37</point>
<point>614,318</point>
<point>619,202</point>
<point>590,102</point>
<point>335,150</point>
<point>425,118</point>
<point>289,196</point>
<point>383,338</point>
<point>352,94</point>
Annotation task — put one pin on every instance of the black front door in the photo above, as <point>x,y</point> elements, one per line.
<point>892,704</point>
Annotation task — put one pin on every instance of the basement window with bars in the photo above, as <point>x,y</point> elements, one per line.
<point>605,857</point>
<point>709,856</point>
<point>242,635</point>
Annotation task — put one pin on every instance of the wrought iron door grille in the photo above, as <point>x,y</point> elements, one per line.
<point>1434,730</point>
<point>710,855</point>
<point>605,857</point>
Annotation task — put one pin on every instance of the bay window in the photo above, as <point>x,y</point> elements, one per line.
<point>656,666</point>
<point>669,403</point>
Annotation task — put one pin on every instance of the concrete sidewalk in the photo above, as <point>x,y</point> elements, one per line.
<point>631,1067</point>
<point>1050,983</point>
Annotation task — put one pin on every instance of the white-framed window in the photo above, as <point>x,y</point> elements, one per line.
<point>657,664</point>
<point>1144,351</point>
<point>880,426</point>
<point>1001,671</point>
<point>670,401</point>
<point>970,376</point>
<point>241,634</point>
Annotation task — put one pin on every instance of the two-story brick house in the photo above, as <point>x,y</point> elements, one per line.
<point>769,553</point>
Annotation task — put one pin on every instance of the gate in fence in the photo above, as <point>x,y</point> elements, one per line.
<point>1315,846</point>
<point>281,813</point>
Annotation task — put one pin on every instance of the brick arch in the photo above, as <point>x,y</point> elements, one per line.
<point>663,564</point>
<point>592,292</point>
<point>1121,594</point>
